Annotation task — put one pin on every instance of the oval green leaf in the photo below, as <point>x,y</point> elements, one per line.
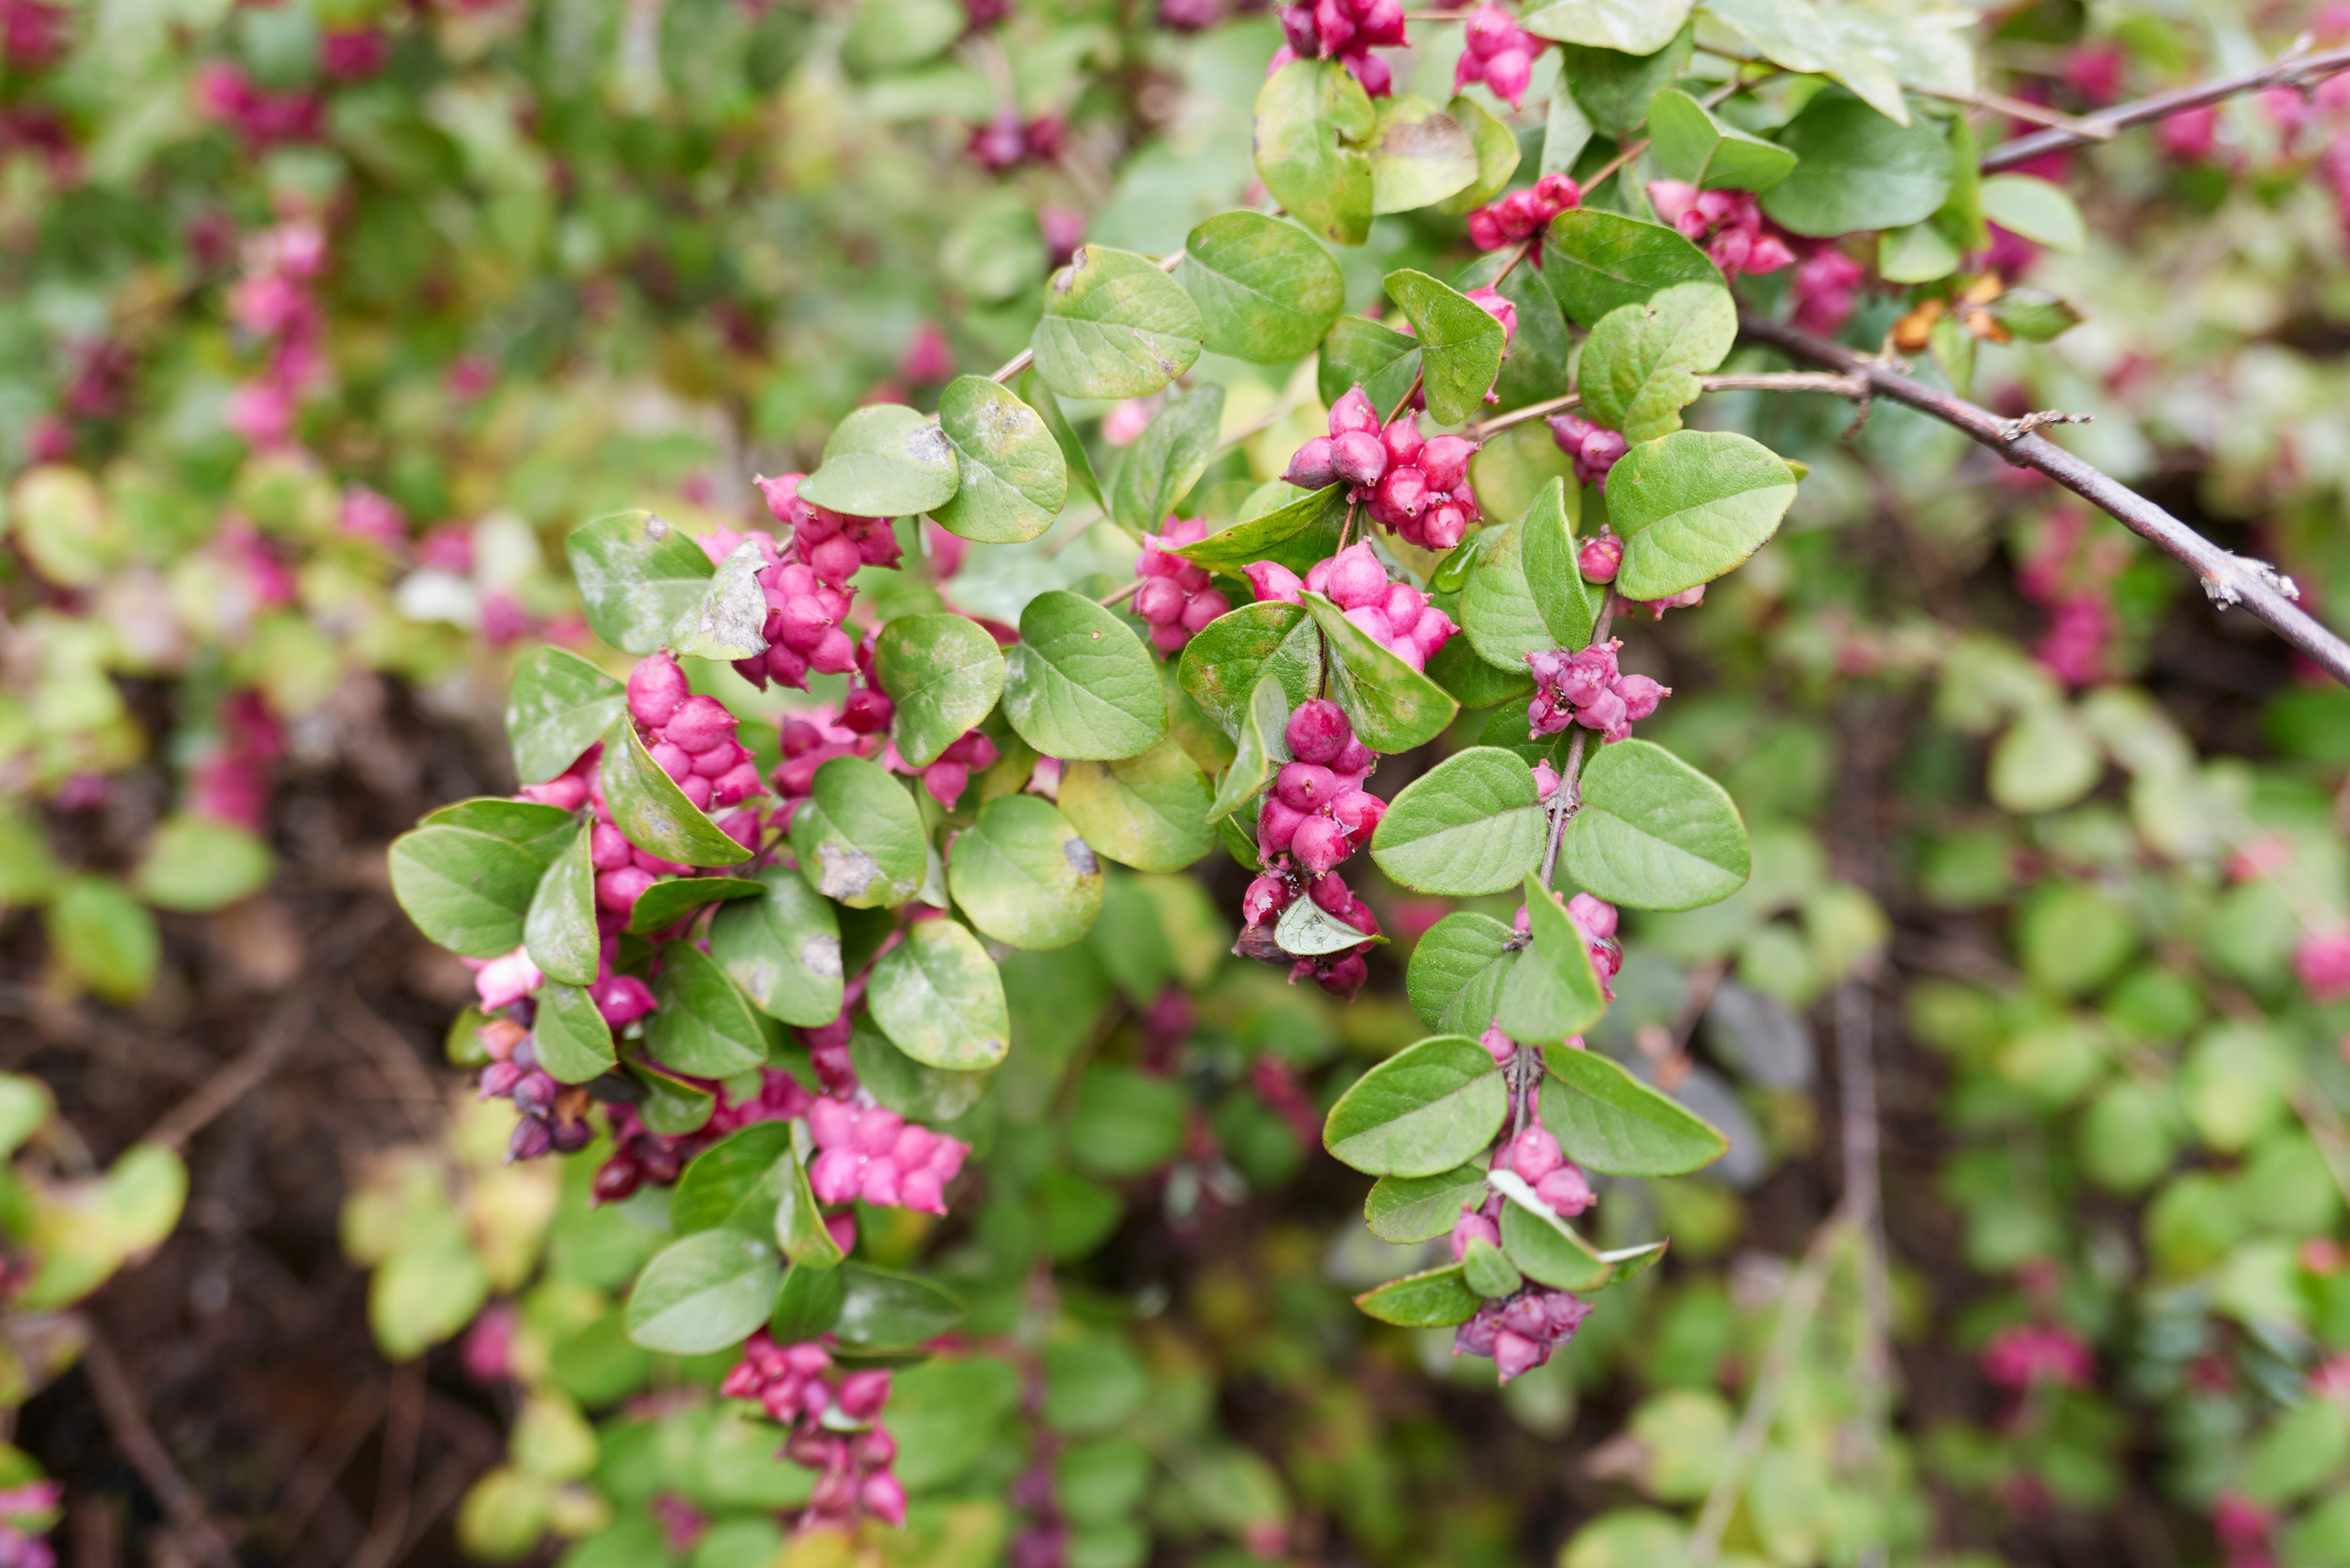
<point>784,950</point>
<point>1161,467</point>
<point>1609,1121</point>
<point>1653,832</point>
<point>558,706</point>
<point>652,812</point>
<point>1435,1298</point>
<point>703,1027</point>
<point>575,1044</point>
<point>1013,478</point>
<point>1024,875</point>
<point>1420,155</point>
<point>671,898</point>
<point>637,578</point>
<point>1222,666</point>
<point>939,999</point>
<point>944,672</point>
<point>1266,289</point>
<point>883,460</point>
<point>560,927</point>
<point>1858,170</point>
<point>859,836</point>
<point>1115,326</point>
<point>1461,345</point>
<point>1392,706</point>
<point>1692,506</point>
<point>1544,1248</point>
<point>1311,119</point>
<point>1552,991</point>
<point>1425,1110</point>
<point>1080,684</point>
<point>1640,366</point>
<point>1409,1208</point>
<point>1597,261</point>
<point>703,1292</point>
<point>1149,812</point>
<point>1457,970</point>
<point>1472,824</point>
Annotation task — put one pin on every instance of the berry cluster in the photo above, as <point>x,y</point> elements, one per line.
<point>790,1382</point>
<point>1316,815</point>
<point>1594,920</point>
<point>1498,52</point>
<point>1824,288</point>
<point>1523,216</point>
<point>33,33</point>
<point>812,737</point>
<point>691,738</point>
<point>554,1114</point>
<point>274,304</point>
<point>1348,30</point>
<point>1175,597</point>
<point>1594,448</point>
<point>1416,485</point>
<point>2018,1358</point>
<point>807,584</point>
<point>876,1154</point>
<point>1588,688</point>
<point>2322,961</point>
<point>1727,223</point>
<point>1397,616</point>
<point>19,1549</point>
<point>225,92</point>
<point>1006,141</point>
<point>1520,1332</point>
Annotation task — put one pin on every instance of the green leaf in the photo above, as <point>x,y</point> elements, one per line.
<point>1497,613</point>
<point>1497,152</point>
<point>1552,991</point>
<point>1222,666</point>
<point>1692,506</point>
<point>558,706</point>
<point>861,835</point>
<point>1952,344</point>
<point>652,812</point>
<point>671,898</point>
<point>727,622</point>
<point>1613,87</point>
<point>1858,170</point>
<point>883,1311</point>
<point>1409,1208</point>
<point>799,1229</point>
<point>106,941</point>
<point>2047,760</point>
<point>1419,156</point>
<point>1149,812</point>
<point>1039,397</point>
<point>807,1304</point>
<point>543,831</point>
<point>1609,1121</point>
<point>1597,261</point>
<point>1509,471</point>
<point>1296,535</point>
<point>1392,706</point>
<point>1360,352</point>
<point>734,1182</point>
<point>194,864</point>
<point>1306,931</point>
<point>1487,1270</point>
<point>1631,27</point>
<point>1692,145</point>
<point>783,950</point>
<point>1263,745</point>
<point>703,1027</point>
<point>1471,825</point>
<point>1115,326</point>
<point>703,1292</point>
<point>1423,1110</point>
<point>1654,832</point>
<point>1080,684</point>
<point>1435,1298</point>
<point>1458,968</point>
<point>559,928</point>
<point>944,672</point>
<point>1470,680</point>
<point>575,1044</point>
<point>1917,253</point>
<point>1461,345</point>
<point>637,578</point>
<point>1640,366</point>
<point>938,998</point>
<point>910,1087</point>
<point>1022,875</point>
<point>1311,119</point>
<point>25,1103</point>
<point>1013,469</point>
<point>2040,211</point>
<point>467,890</point>
<point>1537,364</point>
<point>1566,132</point>
<point>883,460</point>
<point>2034,315</point>
<point>1544,1248</point>
<point>1569,606</point>
<point>1266,289</point>
<point>672,1107</point>
<point>1161,467</point>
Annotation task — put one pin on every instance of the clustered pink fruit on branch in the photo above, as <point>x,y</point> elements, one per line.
<point>1176,599</point>
<point>1595,450</point>
<point>1347,30</point>
<point>1586,688</point>
<point>1395,615</point>
<point>1727,226</point>
<point>1415,484</point>
<point>873,1153</point>
<point>1498,52</point>
<point>1523,216</point>
<point>1316,815</point>
<point>835,1422</point>
<point>1594,919</point>
<point>1522,1330</point>
<point>274,306</point>
<point>807,583</point>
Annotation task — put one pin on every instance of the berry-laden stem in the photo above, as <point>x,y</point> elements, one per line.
<point>2228,579</point>
<point>1565,799</point>
<point>2296,70</point>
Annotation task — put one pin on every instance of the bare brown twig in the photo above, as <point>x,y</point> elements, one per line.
<point>236,1076</point>
<point>2228,579</point>
<point>119,1403</point>
<point>2293,70</point>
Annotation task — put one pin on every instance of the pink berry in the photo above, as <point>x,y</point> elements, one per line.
<point>619,890</point>
<point>1159,602</point>
<point>1276,827</point>
<point>1312,466</point>
<point>884,1497</point>
<point>1354,760</point>
<point>863,1394</point>
<point>1594,918</point>
<point>699,724</point>
<point>1358,458</point>
<point>1600,559</point>
<point>1401,495</point>
<point>1317,731</point>
<point>1640,695</point>
<point>1357,579</point>
<point>1533,1153</point>
<point>1271,581</point>
<point>1306,786</point>
<point>1266,897</point>
<point>608,849</point>
<point>1353,414</point>
<point>1320,844</point>
<point>656,687</point>
<point>1445,460</point>
<point>1498,1045</point>
<point>1204,607</point>
<point>1567,1191</point>
<point>1358,812</point>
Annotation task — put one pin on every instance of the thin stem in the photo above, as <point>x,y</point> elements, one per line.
<point>2228,579</point>
<point>1862,1192</point>
<point>2296,69</point>
<point>1568,798</point>
<point>1767,381</point>
<point>2021,108</point>
<point>1119,595</point>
